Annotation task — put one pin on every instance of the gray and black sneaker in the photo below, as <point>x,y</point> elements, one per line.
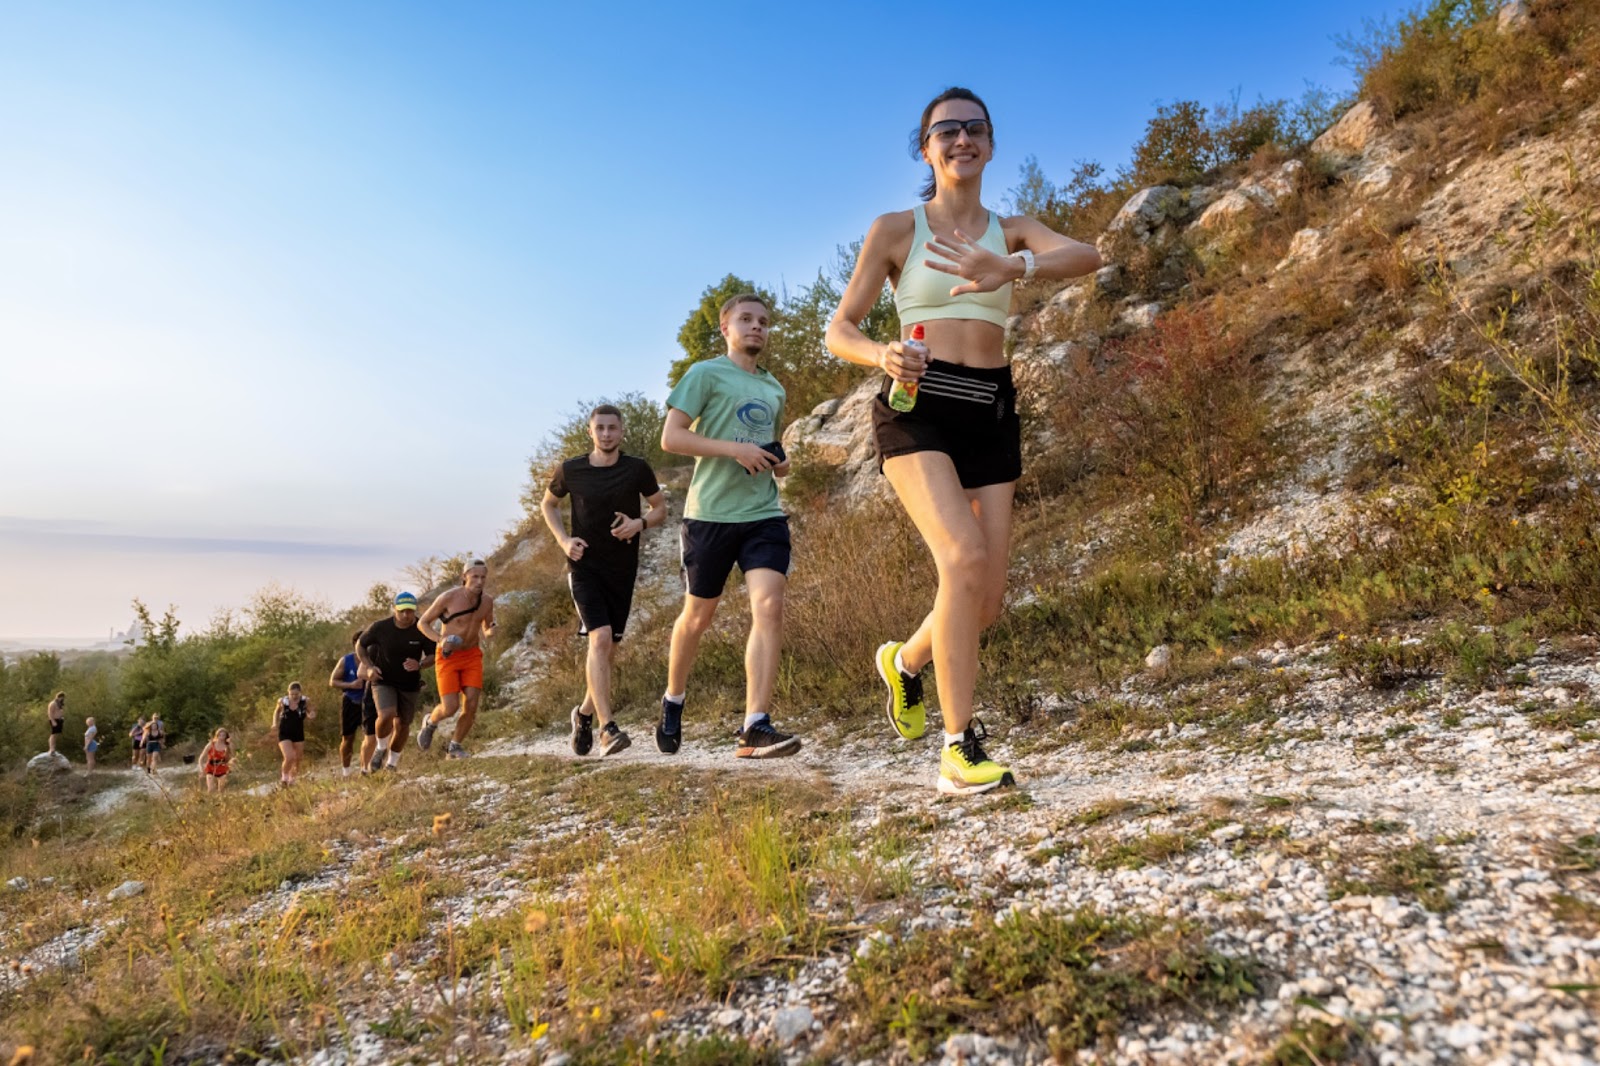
<point>425,734</point>
<point>669,731</point>
<point>582,731</point>
<point>455,751</point>
<point>612,740</point>
<point>760,740</point>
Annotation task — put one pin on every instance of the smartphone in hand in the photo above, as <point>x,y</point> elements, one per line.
<point>775,448</point>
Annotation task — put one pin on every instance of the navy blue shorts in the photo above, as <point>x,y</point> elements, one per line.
<point>710,550</point>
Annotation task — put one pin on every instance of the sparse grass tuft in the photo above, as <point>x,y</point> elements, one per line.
<point>1135,852</point>
<point>1316,1043</point>
<point>1071,981</point>
<point>1417,871</point>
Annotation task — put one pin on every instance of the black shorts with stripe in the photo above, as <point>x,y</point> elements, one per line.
<point>603,597</point>
<point>969,413</point>
<point>358,715</point>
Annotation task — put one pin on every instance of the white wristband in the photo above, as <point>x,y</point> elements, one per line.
<point>1028,264</point>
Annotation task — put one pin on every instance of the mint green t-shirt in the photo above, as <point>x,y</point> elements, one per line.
<point>728,403</point>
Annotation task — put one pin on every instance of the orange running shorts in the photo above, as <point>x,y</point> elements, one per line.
<point>464,669</point>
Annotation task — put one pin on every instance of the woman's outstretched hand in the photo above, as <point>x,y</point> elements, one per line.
<point>984,271</point>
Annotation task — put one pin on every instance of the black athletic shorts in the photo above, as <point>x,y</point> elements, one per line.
<point>710,550</point>
<point>603,598</point>
<point>57,726</point>
<point>293,729</point>
<point>353,715</point>
<point>968,413</point>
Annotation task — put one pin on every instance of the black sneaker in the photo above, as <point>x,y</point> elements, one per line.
<point>425,734</point>
<point>612,740</point>
<point>669,731</point>
<point>582,731</point>
<point>760,741</point>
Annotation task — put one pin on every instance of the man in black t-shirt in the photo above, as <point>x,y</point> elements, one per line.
<point>394,652</point>
<point>602,558</point>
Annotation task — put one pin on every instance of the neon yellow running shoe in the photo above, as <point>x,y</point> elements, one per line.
<point>964,769</point>
<point>906,712</point>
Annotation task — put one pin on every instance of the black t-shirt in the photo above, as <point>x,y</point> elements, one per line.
<point>388,647</point>
<point>598,493</point>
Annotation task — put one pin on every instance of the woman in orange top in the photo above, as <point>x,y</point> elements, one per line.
<point>216,760</point>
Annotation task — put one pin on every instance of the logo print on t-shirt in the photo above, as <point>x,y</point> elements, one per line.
<point>756,417</point>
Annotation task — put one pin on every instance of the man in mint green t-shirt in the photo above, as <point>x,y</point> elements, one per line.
<point>726,412</point>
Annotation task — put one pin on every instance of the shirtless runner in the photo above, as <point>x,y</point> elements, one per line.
<point>56,712</point>
<point>458,620</point>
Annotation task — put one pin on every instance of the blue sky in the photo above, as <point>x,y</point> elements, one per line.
<point>290,292</point>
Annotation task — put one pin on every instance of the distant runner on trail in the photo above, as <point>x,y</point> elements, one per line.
<point>726,412</point>
<point>602,559</point>
<point>56,712</point>
<point>395,651</point>
<point>346,677</point>
<point>91,743</point>
<point>136,735</point>
<point>458,620</point>
<point>155,733</point>
<point>216,760</point>
<point>289,719</point>
<point>952,452</point>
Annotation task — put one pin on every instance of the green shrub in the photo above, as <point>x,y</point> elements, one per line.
<point>1447,53</point>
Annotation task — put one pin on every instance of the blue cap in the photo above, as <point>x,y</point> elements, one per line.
<point>405,602</point>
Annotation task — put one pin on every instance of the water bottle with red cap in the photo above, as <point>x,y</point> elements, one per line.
<point>903,397</point>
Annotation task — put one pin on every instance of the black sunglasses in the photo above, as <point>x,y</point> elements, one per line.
<point>950,127</point>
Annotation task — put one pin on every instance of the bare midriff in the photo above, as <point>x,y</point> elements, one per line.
<point>963,341</point>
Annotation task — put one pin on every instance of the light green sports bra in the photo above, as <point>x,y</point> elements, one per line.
<point>924,293</point>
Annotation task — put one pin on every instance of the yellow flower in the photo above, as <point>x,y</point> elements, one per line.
<point>539,1030</point>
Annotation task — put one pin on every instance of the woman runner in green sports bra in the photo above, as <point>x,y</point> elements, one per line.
<point>954,459</point>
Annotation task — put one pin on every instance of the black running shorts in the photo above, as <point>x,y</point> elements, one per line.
<point>969,413</point>
<point>710,550</point>
<point>57,726</point>
<point>397,701</point>
<point>603,598</point>
<point>350,716</point>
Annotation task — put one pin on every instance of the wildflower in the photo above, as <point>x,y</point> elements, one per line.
<point>595,1014</point>
<point>538,1031</point>
<point>535,922</point>
<point>23,1056</point>
<point>441,824</point>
